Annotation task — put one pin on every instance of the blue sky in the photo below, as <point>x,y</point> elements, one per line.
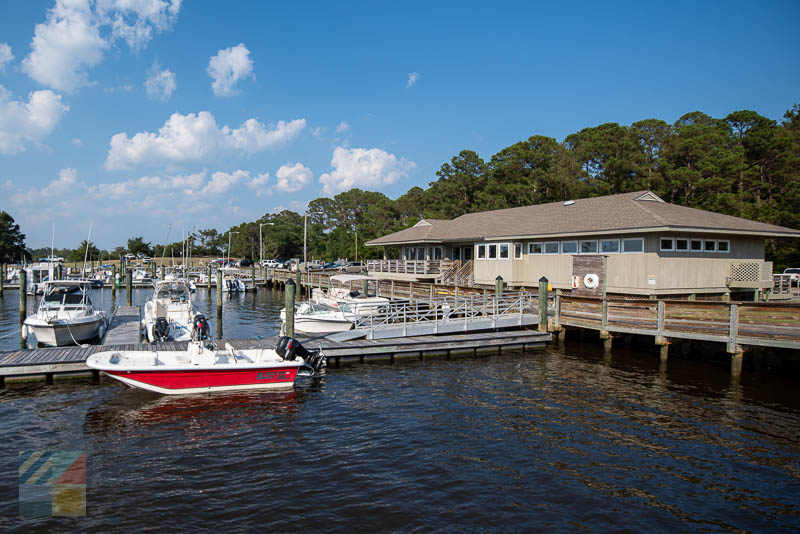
<point>139,114</point>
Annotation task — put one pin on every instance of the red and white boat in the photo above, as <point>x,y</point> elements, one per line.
<point>202,368</point>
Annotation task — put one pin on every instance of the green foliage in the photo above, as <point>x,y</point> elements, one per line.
<point>136,245</point>
<point>77,255</point>
<point>12,241</point>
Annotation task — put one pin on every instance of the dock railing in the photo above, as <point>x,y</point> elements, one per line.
<point>424,267</point>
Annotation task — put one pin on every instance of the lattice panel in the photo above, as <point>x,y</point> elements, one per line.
<point>746,271</point>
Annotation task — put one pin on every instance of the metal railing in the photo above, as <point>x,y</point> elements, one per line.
<point>432,267</point>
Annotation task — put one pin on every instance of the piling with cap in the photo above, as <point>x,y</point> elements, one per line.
<point>23,294</point>
<point>219,292</point>
<point>543,283</point>
<point>129,287</point>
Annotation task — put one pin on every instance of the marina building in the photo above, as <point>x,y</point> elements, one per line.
<point>631,244</point>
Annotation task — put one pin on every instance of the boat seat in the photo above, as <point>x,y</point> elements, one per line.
<point>231,352</point>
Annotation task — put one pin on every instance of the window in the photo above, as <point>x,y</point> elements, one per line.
<point>551,247</point>
<point>503,251</point>
<point>517,251</point>
<point>609,246</point>
<point>456,253</point>
<point>481,252</point>
<point>681,245</point>
<point>420,253</point>
<point>710,246</point>
<point>666,244</point>
<point>467,253</point>
<point>534,248</point>
<point>632,245</point>
<point>492,252</point>
<point>723,246</point>
<point>588,247</point>
<point>696,245</point>
<point>569,247</point>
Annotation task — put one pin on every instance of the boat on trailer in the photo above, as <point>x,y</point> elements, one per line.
<point>202,368</point>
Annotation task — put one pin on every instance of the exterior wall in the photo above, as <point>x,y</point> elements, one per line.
<point>651,271</point>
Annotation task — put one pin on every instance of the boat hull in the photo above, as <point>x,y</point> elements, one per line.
<point>320,326</point>
<point>59,335</point>
<point>179,382</point>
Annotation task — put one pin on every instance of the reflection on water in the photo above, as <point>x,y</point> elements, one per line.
<point>546,440</point>
<point>561,439</point>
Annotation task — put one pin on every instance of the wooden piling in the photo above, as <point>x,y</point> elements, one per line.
<point>129,287</point>
<point>2,276</point>
<point>23,294</point>
<point>542,304</point>
<point>208,278</point>
<point>365,287</point>
<point>498,286</point>
<point>253,270</point>
<point>291,289</point>
<point>219,292</point>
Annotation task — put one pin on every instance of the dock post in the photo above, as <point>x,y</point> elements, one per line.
<point>163,270</point>
<point>2,276</point>
<point>543,304</point>
<point>605,335</point>
<point>411,291</point>
<point>23,294</point>
<point>219,293</point>
<point>208,277</point>
<point>498,286</point>
<point>365,287</point>
<point>392,290</point>
<point>114,280</point>
<point>129,286</point>
<point>254,275</point>
<point>291,289</point>
<point>299,281</point>
<point>736,362</point>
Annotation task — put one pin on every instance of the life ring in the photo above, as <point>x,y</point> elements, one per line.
<point>591,280</point>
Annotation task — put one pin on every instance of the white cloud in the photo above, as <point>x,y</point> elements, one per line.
<point>361,167</point>
<point>76,32</point>
<point>5,55</point>
<point>57,189</point>
<point>258,183</point>
<point>118,89</point>
<point>342,127</point>
<point>412,79</point>
<point>23,122</point>
<point>160,84</point>
<point>293,178</point>
<point>222,182</point>
<point>228,67</point>
<point>195,138</point>
<point>77,142</point>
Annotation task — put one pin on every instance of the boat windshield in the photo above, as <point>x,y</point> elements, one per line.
<point>65,299</point>
<point>172,291</point>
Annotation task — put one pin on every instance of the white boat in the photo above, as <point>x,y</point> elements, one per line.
<point>202,368</point>
<point>315,318</point>
<point>140,276</point>
<point>65,315</point>
<point>36,274</point>
<point>359,303</point>
<point>170,313</point>
<point>234,285</point>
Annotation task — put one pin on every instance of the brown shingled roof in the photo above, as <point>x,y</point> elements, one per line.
<point>637,211</point>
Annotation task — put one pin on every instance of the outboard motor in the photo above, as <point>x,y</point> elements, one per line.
<point>200,329</point>
<point>289,349</point>
<point>161,329</point>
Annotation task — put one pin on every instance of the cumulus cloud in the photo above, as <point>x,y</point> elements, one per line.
<point>412,79</point>
<point>5,55</point>
<point>342,127</point>
<point>228,67</point>
<point>258,183</point>
<point>195,138</point>
<point>222,182</point>
<point>77,32</point>
<point>361,167</point>
<point>31,121</point>
<point>160,84</point>
<point>66,182</point>
<point>293,178</point>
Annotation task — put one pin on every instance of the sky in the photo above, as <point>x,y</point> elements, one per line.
<point>156,117</point>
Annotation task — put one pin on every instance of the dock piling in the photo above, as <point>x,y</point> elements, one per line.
<point>2,276</point>
<point>129,286</point>
<point>291,289</point>
<point>219,293</point>
<point>23,294</point>
<point>542,304</point>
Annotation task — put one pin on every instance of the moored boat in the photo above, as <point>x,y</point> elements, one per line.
<point>202,368</point>
<point>66,315</point>
<point>359,303</point>
<point>170,313</point>
<point>316,318</point>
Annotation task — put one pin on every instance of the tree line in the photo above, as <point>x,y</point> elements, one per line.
<point>744,165</point>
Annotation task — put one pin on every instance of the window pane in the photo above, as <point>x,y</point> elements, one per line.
<point>569,247</point>
<point>551,248</point>
<point>723,246</point>
<point>633,245</point>
<point>504,251</point>
<point>588,247</point>
<point>481,252</point>
<point>666,244</point>
<point>681,244</point>
<point>609,245</point>
<point>534,248</point>
<point>492,252</point>
<point>456,253</point>
<point>697,245</point>
<point>711,246</point>
<point>517,250</point>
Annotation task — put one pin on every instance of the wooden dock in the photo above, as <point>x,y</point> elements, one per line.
<point>126,326</point>
<point>64,360</point>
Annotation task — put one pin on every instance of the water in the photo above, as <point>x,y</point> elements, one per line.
<point>548,440</point>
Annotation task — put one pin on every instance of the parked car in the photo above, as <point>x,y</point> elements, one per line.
<point>245,262</point>
<point>147,259</point>
<point>794,275</point>
<point>271,264</point>
<point>353,267</point>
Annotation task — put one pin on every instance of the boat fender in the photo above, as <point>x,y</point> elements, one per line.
<point>591,280</point>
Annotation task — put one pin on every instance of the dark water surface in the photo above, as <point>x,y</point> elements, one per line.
<point>549,440</point>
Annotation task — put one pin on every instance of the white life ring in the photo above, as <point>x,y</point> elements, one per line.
<point>591,280</point>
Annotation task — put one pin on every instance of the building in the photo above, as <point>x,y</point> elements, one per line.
<point>633,244</point>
